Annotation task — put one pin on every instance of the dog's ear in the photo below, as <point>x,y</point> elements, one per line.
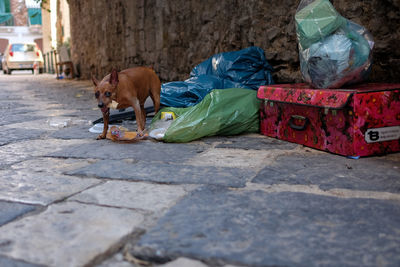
<point>114,77</point>
<point>95,81</point>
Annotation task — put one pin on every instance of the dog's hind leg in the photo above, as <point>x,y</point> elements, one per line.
<point>143,111</point>
<point>139,115</point>
<point>156,99</point>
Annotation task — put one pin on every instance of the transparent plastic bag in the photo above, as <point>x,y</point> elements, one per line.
<point>316,19</point>
<point>338,54</point>
<point>160,127</point>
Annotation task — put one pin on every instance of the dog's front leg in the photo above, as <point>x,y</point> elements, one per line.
<point>106,117</point>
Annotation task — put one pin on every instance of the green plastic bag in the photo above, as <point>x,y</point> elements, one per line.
<point>221,112</point>
<point>316,19</point>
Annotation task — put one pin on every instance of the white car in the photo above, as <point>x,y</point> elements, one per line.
<point>22,56</point>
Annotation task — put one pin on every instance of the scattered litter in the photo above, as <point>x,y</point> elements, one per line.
<point>161,126</point>
<point>60,122</point>
<point>119,133</point>
<point>98,128</point>
<point>353,157</point>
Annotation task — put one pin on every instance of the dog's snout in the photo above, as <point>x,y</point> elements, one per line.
<point>101,105</point>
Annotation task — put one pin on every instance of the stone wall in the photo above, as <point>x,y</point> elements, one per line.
<point>174,36</point>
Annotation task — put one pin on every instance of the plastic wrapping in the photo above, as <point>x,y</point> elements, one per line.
<point>221,112</point>
<point>333,51</point>
<point>315,20</point>
<point>247,68</point>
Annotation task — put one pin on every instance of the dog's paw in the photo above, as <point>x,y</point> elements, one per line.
<point>100,137</point>
<point>140,134</point>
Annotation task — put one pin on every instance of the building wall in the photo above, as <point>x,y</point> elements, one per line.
<point>64,21</point>
<point>56,26</point>
<point>20,12</point>
<point>46,28</point>
<point>173,36</point>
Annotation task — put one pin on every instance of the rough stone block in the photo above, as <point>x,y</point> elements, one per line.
<point>144,150</point>
<point>133,195</point>
<point>166,173</point>
<point>7,262</point>
<point>254,228</point>
<point>40,188</point>
<point>23,150</point>
<point>67,234</point>
<point>330,171</point>
<point>12,135</point>
<point>10,211</point>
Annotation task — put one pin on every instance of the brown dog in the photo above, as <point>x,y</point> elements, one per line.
<point>129,88</point>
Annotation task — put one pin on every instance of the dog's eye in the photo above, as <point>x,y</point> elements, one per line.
<point>107,94</point>
<point>97,94</point>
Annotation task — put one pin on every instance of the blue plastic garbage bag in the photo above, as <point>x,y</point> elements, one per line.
<point>247,68</point>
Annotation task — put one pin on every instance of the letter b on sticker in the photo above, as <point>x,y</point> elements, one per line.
<point>373,136</point>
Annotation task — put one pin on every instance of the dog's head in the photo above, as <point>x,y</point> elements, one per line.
<point>105,90</point>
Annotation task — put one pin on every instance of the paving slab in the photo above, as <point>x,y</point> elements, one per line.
<point>255,228</point>
<point>54,112</point>
<point>19,110</point>
<point>74,132</point>
<point>67,234</point>
<point>117,261</point>
<point>183,262</point>
<point>134,195</point>
<point>166,173</point>
<point>144,150</point>
<point>8,96</point>
<point>255,142</point>
<point>43,123</point>
<point>40,188</point>
<point>329,171</point>
<point>243,158</point>
<point>19,120</point>
<point>7,262</point>
<point>51,165</point>
<point>8,105</point>
<point>11,210</point>
<point>23,150</point>
<point>16,134</point>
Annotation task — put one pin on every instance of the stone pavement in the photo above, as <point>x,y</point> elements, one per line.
<point>67,199</point>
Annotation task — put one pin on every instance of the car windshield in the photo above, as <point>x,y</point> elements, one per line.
<point>23,48</point>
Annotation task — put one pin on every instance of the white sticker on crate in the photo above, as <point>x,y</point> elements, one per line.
<point>374,135</point>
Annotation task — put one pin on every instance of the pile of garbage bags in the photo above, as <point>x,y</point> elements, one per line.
<point>333,51</point>
<point>219,98</point>
<point>247,68</point>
